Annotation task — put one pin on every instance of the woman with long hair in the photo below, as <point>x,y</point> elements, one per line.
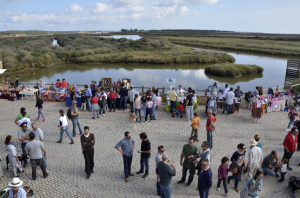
<point>39,105</point>
<point>12,154</point>
<point>137,106</point>
<point>63,127</point>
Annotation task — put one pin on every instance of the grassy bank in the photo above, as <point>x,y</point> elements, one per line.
<point>233,70</point>
<point>265,46</point>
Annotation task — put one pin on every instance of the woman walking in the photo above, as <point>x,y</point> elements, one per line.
<point>12,154</point>
<point>144,101</point>
<point>137,106</point>
<point>39,105</point>
<point>63,127</point>
<point>253,186</point>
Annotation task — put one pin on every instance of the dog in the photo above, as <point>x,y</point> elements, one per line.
<point>132,117</point>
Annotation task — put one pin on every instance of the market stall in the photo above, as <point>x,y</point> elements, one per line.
<point>53,95</point>
<point>236,104</point>
<point>180,99</point>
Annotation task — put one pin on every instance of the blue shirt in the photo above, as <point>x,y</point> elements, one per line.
<point>126,146</point>
<point>88,92</point>
<point>21,193</point>
<point>254,191</point>
<point>153,99</point>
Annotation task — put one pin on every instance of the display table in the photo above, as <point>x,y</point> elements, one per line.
<point>29,93</point>
<point>51,96</point>
<point>69,102</point>
<point>236,105</point>
<point>16,92</point>
<point>168,108</point>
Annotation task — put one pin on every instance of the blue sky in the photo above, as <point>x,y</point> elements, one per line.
<point>273,16</point>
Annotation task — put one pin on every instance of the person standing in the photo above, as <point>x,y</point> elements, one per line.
<point>144,101</point>
<point>158,158</point>
<point>34,149</point>
<point>103,102</point>
<point>39,105</point>
<point>25,119</point>
<point>23,136</point>
<point>16,191</point>
<point>205,179</point>
<point>224,91</point>
<point>83,102</point>
<point>137,106</point>
<point>20,116</point>
<point>164,176</point>
<point>149,105</point>
<point>222,175</point>
<point>87,143</point>
<point>195,126</point>
<point>205,154</point>
<point>290,144</point>
<point>64,84</point>
<point>292,116</point>
<point>180,91</point>
<point>127,146</point>
<point>187,151</point>
<point>254,185</point>
<point>8,81</point>
<point>189,106</point>
<point>270,164</point>
<point>173,99</point>
<point>75,118</point>
<point>153,98</point>
<point>131,94</point>
<point>145,155</point>
<point>214,90</point>
<point>72,94</point>
<point>229,101</point>
<point>95,105</point>
<point>17,82</point>
<point>123,96</point>
<point>41,85</point>
<point>63,127</point>
<point>210,127</point>
<point>112,100</point>
<point>255,158</point>
<point>238,93</point>
<point>39,135</point>
<point>88,95</point>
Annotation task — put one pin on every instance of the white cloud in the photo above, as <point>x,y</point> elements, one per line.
<point>101,8</point>
<point>186,2</point>
<point>222,6</point>
<point>124,3</point>
<point>74,9</point>
<point>137,9</point>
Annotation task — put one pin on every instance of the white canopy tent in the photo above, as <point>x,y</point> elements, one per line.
<point>2,71</point>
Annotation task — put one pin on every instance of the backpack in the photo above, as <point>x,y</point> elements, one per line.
<point>69,114</point>
<point>248,96</point>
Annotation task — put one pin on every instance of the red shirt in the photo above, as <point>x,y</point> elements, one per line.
<point>293,115</point>
<point>289,142</point>
<point>210,119</point>
<point>112,96</point>
<point>180,108</point>
<point>58,84</point>
<point>94,100</point>
<point>64,84</point>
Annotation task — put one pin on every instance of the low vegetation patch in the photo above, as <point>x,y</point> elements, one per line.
<point>233,70</point>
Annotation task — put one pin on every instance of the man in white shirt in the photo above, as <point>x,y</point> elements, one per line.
<point>224,91</point>
<point>158,158</point>
<point>255,158</point>
<point>229,101</point>
<point>214,90</point>
<point>131,94</point>
<point>180,90</point>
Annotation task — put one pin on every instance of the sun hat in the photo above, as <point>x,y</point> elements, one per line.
<point>16,182</point>
<point>253,142</point>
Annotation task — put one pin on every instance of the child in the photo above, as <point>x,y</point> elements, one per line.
<point>179,109</point>
<point>292,115</point>
<point>195,126</point>
<point>283,166</point>
<point>222,174</point>
<point>257,138</point>
<point>83,102</point>
<point>149,105</point>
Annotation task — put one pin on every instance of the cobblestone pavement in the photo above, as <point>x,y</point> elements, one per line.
<point>66,164</point>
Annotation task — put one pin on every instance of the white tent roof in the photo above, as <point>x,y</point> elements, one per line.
<point>2,71</point>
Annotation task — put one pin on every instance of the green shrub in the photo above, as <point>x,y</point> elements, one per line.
<point>233,70</point>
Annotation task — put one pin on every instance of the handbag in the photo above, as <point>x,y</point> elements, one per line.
<point>235,170</point>
<point>19,165</point>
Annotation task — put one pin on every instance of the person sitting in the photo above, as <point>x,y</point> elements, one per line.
<point>238,93</point>
<point>214,90</point>
<point>269,163</point>
<point>16,191</point>
<point>179,109</point>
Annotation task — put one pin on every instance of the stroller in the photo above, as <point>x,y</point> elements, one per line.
<point>211,103</point>
<point>294,183</point>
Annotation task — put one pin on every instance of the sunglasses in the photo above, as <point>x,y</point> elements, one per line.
<point>204,164</point>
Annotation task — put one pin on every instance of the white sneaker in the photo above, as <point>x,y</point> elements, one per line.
<point>287,129</point>
<point>226,194</point>
<point>103,115</point>
<point>218,189</point>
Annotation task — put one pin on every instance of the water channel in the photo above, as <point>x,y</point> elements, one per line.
<point>187,75</point>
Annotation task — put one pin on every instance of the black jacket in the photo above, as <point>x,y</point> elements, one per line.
<point>39,104</point>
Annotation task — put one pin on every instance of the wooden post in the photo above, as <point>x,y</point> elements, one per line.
<point>143,88</point>
<point>52,85</point>
<point>206,92</point>
<point>37,85</point>
<point>163,89</point>
<point>277,88</point>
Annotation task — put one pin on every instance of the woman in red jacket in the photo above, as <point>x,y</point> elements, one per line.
<point>290,144</point>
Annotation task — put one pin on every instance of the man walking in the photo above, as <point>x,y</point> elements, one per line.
<point>205,179</point>
<point>153,98</point>
<point>131,94</point>
<point>88,95</point>
<point>127,146</point>
<point>23,136</point>
<point>188,150</point>
<point>229,101</point>
<point>145,154</point>
<point>39,135</point>
<point>173,99</point>
<point>164,176</point>
<point>210,127</point>
<point>34,149</point>
<point>87,143</point>
<point>75,119</point>
<point>123,96</point>
<point>290,144</point>
<point>158,158</point>
<point>255,158</point>
<point>189,106</point>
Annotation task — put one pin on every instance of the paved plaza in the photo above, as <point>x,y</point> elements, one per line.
<point>66,163</point>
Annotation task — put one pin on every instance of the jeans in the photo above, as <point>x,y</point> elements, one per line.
<point>288,155</point>
<point>113,103</point>
<point>131,107</point>
<point>158,188</point>
<point>153,111</point>
<point>173,106</point>
<point>65,129</point>
<point>127,165</point>
<point>148,112</point>
<point>189,112</point>
<point>34,163</point>
<point>45,163</point>
<point>89,105</point>
<point>229,109</point>
<point>75,122</point>
<point>282,176</point>
<point>177,113</point>
<point>165,191</point>
<point>83,106</point>
<point>40,112</point>
<point>203,194</point>
<point>144,110</point>
<point>270,172</point>
<point>144,161</point>
<point>236,176</point>
<point>97,113</point>
<point>224,183</point>
<point>291,122</point>
<point>210,138</point>
<point>122,102</point>
<point>89,160</point>
<point>24,152</point>
<point>136,111</point>
<point>184,170</point>
<point>104,107</point>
